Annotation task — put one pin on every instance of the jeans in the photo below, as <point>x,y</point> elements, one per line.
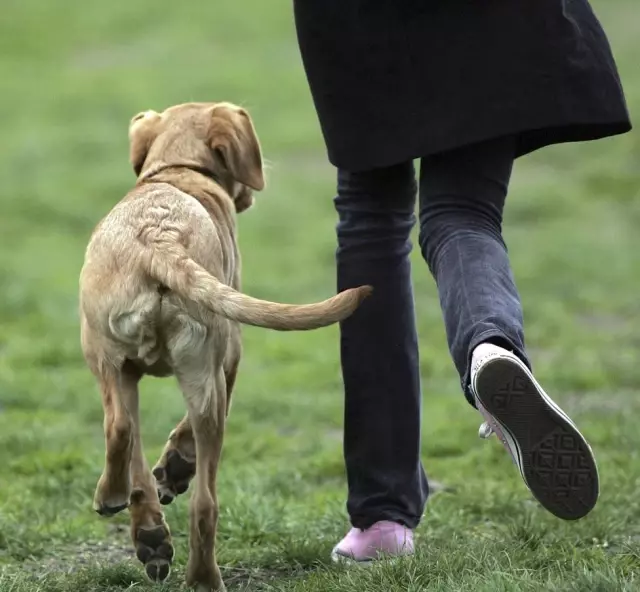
<point>461,199</point>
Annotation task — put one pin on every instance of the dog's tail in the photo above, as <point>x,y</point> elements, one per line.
<point>171,266</point>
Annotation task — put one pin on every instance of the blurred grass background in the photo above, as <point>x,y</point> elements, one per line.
<point>72,73</point>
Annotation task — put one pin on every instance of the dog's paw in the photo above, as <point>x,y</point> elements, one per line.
<point>109,511</point>
<point>173,474</point>
<point>109,500</point>
<point>204,579</point>
<point>155,551</point>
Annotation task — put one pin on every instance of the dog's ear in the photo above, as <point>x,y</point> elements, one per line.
<point>233,138</point>
<point>143,130</point>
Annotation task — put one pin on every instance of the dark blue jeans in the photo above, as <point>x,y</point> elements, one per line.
<point>462,195</point>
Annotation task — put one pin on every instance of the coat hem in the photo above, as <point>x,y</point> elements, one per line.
<point>528,140</point>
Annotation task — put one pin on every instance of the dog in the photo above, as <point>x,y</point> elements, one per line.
<point>160,295</point>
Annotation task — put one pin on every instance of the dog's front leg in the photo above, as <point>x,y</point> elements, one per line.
<point>177,463</point>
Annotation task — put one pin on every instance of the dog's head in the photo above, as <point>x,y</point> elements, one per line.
<point>216,138</point>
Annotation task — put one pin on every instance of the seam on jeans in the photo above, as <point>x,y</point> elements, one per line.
<point>463,283</point>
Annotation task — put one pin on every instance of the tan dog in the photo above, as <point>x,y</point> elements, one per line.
<point>159,295</point>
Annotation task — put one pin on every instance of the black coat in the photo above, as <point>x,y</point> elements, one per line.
<point>394,80</point>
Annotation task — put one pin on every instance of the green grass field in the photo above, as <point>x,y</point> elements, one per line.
<point>72,73</point>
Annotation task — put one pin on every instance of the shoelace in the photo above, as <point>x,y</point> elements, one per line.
<point>485,430</point>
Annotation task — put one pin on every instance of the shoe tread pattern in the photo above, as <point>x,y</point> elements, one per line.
<point>557,463</point>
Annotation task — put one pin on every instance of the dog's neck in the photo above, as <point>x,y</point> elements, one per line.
<point>151,174</point>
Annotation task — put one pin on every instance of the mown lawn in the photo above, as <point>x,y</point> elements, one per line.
<point>72,73</point>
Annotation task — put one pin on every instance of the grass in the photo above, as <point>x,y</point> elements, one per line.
<point>72,74</point>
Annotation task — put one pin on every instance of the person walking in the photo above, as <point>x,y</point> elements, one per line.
<point>467,87</point>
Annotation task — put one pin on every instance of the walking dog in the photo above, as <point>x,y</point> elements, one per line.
<point>160,295</point>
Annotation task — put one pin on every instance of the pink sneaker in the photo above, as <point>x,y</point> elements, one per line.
<point>383,538</point>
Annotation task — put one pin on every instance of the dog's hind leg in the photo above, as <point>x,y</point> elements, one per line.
<point>207,411</point>
<point>197,362</point>
<point>149,531</point>
<point>176,466</point>
<point>127,479</point>
<point>118,389</point>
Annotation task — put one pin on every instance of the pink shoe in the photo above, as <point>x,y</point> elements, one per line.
<point>383,538</point>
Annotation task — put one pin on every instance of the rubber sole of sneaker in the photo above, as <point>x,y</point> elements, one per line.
<point>348,560</point>
<point>339,558</point>
<point>557,463</point>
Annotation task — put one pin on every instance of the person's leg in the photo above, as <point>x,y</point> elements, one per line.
<point>379,348</point>
<point>462,196</point>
